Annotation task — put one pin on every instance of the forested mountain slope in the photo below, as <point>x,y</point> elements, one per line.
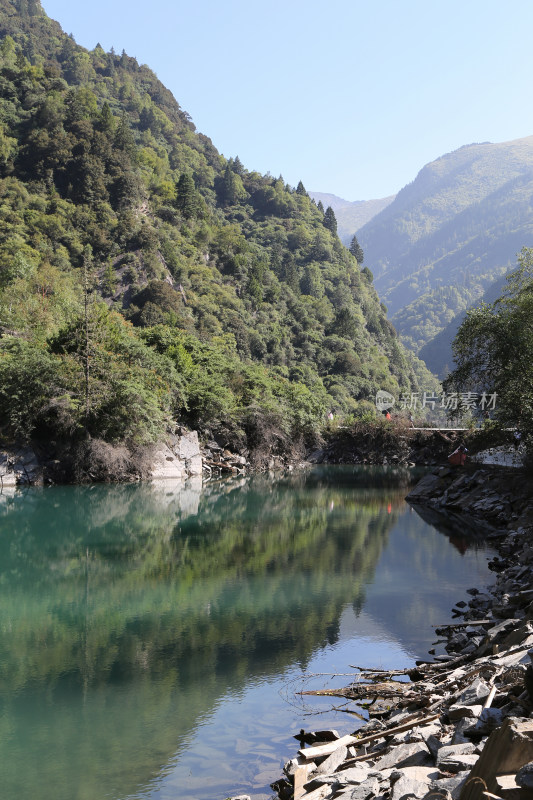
<point>437,353</point>
<point>230,302</point>
<point>448,235</point>
<point>351,215</point>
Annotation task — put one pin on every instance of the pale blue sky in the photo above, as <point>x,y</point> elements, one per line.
<point>351,97</point>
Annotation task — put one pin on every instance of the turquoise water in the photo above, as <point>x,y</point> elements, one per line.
<point>153,638</point>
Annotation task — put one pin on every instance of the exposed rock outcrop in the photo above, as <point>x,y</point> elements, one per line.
<point>178,458</point>
<point>19,466</point>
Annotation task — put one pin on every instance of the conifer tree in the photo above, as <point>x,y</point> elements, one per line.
<point>300,189</point>
<point>106,123</point>
<point>356,250</point>
<point>186,200</point>
<point>330,221</point>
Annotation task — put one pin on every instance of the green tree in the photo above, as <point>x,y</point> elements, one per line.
<point>106,123</point>
<point>186,197</point>
<point>493,350</point>
<point>230,188</point>
<point>237,166</point>
<point>124,138</point>
<point>330,221</point>
<point>345,323</point>
<point>356,250</point>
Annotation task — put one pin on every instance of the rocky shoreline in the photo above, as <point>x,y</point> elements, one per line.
<point>180,457</point>
<point>458,727</point>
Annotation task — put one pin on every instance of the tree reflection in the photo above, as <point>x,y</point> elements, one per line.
<point>128,611</point>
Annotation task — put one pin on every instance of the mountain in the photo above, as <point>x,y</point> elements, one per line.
<point>449,235</point>
<point>437,353</point>
<point>351,215</point>
<point>144,278</point>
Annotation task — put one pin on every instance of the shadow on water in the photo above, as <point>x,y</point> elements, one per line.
<point>462,531</point>
<point>128,612</point>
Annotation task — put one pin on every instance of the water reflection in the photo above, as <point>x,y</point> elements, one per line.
<point>129,612</point>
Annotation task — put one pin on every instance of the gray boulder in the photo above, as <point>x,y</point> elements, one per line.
<point>524,776</point>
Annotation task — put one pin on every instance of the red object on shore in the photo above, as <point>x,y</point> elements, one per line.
<point>458,457</point>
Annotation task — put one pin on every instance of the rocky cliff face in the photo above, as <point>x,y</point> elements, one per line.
<point>178,458</point>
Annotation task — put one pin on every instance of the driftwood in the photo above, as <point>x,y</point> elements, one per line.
<point>363,691</point>
<point>463,624</point>
<point>310,753</point>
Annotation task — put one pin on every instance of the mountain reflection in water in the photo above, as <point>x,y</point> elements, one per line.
<point>133,616</point>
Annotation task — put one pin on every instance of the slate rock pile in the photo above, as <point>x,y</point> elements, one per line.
<point>502,499</point>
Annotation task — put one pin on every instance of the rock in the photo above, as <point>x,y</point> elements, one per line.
<point>331,763</point>
<point>370,788</point>
<point>355,775</point>
<point>478,690</point>
<point>453,785</point>
<point>447,751</point>
<point>489,720</point>
<point>405,755</point>
<point>19,466</point>
<point>460,711</point>
<point>178,458</point>
<point>460,731</point>
<point>412,782</point>
<point>458,763</point>
<point>524,776</point>
<point>457,642</point>
<point>426,488</point>
<point>316,457</point>
<point>166,465</point>
<point>292,766</point>
<point>434,744</point>
<point>189,453</point>
<point>519,635</point>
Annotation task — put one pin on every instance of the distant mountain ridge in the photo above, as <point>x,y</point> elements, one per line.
<point>448,235</point>
<point>351,215</point>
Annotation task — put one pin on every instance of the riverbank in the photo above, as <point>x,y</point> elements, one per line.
<point>179,457</point>
<point>185,453</point>
<point>461,724</point>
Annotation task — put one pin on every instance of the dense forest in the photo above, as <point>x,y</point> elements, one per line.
<point>145,278</point>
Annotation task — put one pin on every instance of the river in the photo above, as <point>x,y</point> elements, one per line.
<point>153,638</point>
